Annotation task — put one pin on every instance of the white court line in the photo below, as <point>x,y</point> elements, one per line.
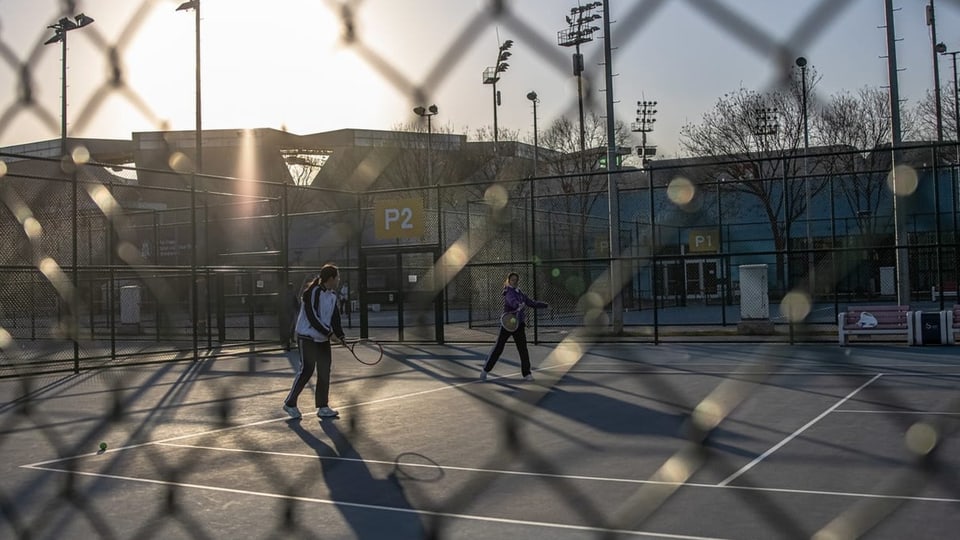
<point>932,413</point>
<point>796,433</point>
<point>574,477</point>
<point>542,524</point>
<point>280,419</point>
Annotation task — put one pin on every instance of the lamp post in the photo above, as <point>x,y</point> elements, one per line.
<point>937,49</point>
<point>644,125</point>
<point>491,75</point>
<point>60,29</point>
<point>956,91</point>
<point>428,113</point>
<point>198,131</point>
<point>579,31</point>
<point>197,168</point>
<point>532,96</point>
<point>802,64</point>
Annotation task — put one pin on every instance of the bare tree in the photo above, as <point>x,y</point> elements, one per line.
<point>757,142</point>
<point>859,124</point>
<point>579,181</point>
<point>924,116</point>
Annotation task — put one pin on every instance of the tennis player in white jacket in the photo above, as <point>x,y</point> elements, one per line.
<point>318,324</point>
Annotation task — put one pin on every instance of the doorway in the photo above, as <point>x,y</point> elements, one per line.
<point>696,279</point>
<point>401,298</point>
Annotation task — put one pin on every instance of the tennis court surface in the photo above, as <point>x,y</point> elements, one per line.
<point>610,441</point>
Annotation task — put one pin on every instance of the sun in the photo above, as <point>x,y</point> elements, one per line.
<point>283,66</point>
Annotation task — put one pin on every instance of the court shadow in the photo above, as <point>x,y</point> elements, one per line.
<point>373,507</point>
<point>611,414</point>
<point>622,417</point>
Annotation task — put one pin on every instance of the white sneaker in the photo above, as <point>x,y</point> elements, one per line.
<point>326,412</point>
<point>528,377</point>
<point>292,411</point>
<point>483,374</point>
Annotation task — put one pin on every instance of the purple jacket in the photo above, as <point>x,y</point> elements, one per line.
<point>514,300</point>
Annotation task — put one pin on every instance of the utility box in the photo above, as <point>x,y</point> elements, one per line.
<point>754,301</point>
<point>754,295</point>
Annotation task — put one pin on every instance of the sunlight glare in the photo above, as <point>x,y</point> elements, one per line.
<point>80,155</point>
<point>921,438</point>
<point>496,196</point>
<point>681,191</point>
<point>902,181</point>
<point>795,306</point>
<point>180,163</point>
<point>32,228</point>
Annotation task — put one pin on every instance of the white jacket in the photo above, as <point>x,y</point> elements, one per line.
<point>319,317</point>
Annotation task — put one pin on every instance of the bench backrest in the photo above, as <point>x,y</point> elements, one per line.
<point>888,316</point>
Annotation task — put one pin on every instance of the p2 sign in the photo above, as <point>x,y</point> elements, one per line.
<point>398,218</point>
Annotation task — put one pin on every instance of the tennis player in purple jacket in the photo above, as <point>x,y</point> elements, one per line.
<point>514,301</point>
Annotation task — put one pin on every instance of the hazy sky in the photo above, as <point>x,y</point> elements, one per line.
<point>283,63</point>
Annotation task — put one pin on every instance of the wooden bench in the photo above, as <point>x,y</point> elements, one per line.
<point>949,289</point>
<point>891,319</point>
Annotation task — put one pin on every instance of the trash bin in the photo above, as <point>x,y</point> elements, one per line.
<point>930,328</point>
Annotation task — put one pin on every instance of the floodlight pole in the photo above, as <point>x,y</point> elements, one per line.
<point>61,28</point>
<point>616,279</point>
<point>578,32</point>
<point>644,125</point>
<point>490,76</point>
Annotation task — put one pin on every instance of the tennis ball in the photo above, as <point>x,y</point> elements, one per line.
<point>103,446</point>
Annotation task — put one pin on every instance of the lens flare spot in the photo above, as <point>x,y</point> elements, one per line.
<point>902,181</point>
<point>128,252</point>
<point>180,163</point>
<point>104,199</point>
<point>574,285</point>
<point>456,256</point>
<point>921,438</point>
<point>681,191</point>
<point>555,272</point>
<point>676,469</point>
<point>707,415</point>
<point>568,352</point>
<point>795,306</point>
<point>591,300</point>
<point>496,196</point>
<point>80,155</point>
<point>3,168</point>
<point>5,339</point>
<point>49,268</point>
<point>32,228</point>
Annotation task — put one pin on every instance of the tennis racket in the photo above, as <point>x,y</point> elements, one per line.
<point>510,321</point>
<point>366,351</point>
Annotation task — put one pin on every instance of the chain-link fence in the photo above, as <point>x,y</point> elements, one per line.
<point>97,268</point>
